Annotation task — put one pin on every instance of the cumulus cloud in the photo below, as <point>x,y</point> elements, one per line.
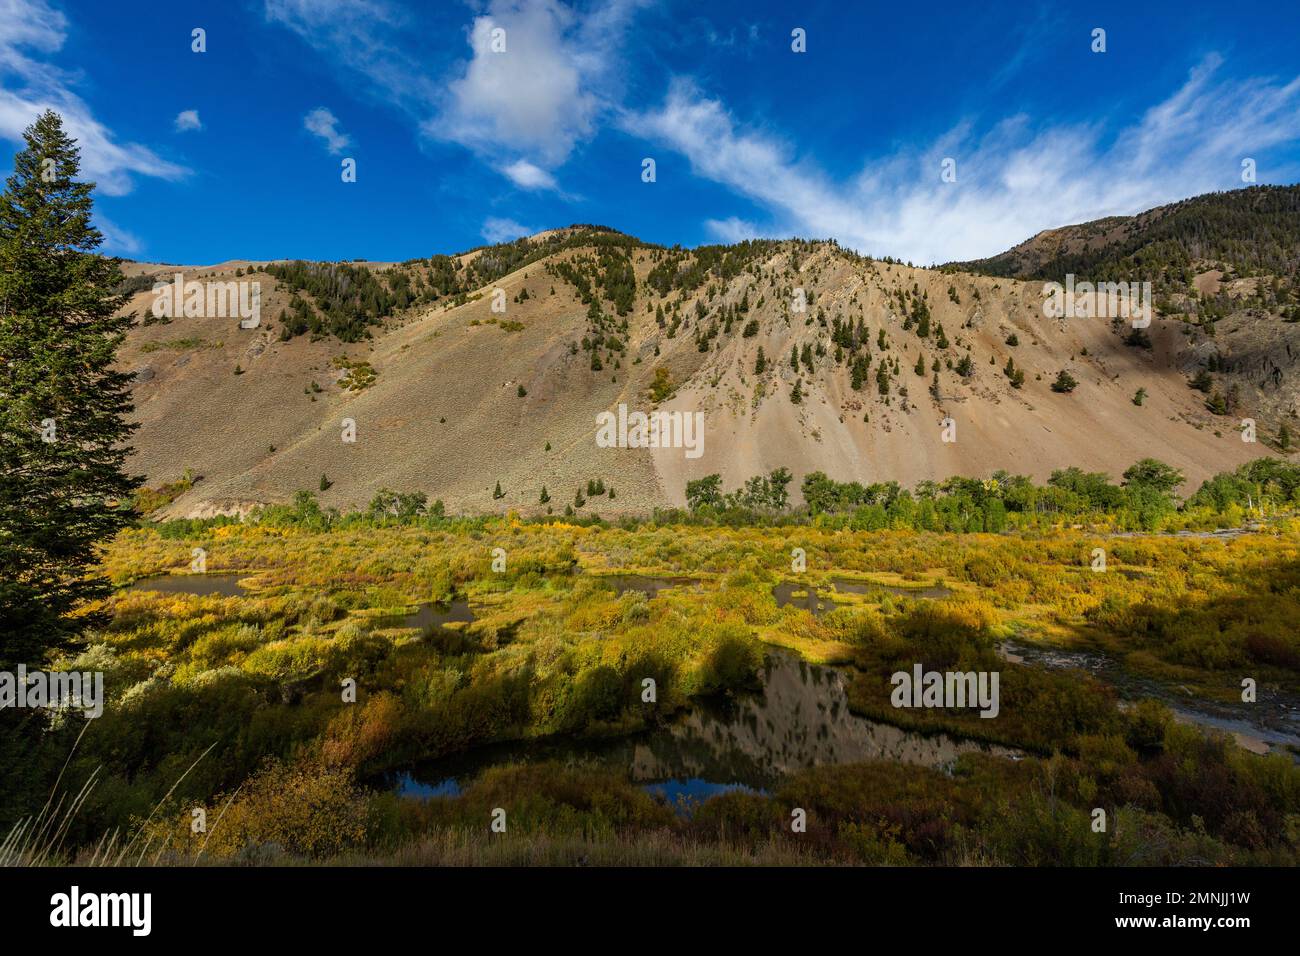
<point>30,29</point>
<point>527,175</point>
<point>523,108</point>
<point>321,122</point>
<point>523,87</point>
<point>1013,180</point>
<point>504,230</point>
<point>188,120</point>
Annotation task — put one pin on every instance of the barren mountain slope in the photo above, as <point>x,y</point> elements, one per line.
<point>1225,264</point>
<point>443,412</point>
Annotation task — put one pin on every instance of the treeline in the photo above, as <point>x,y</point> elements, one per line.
<point>768,492</point>
<point>684,270</point>
<point>497,261</point>
<point>607,274</point>
<point>1264,482</point>
<point>348,299</point>
<point>1145,498</point>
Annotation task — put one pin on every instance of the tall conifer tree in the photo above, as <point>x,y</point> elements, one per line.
<point>63,405</point>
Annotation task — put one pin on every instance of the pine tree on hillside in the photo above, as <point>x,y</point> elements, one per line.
<point>1065,382</point>
<point>63,407</point>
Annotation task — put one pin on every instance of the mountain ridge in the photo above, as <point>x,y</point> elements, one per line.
<point>452,398</point>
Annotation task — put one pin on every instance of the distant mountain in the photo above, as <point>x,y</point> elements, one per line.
<point>1226,265</point>
<point>1248,232</point>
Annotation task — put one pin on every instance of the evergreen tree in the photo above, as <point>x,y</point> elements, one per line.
<point>63,407</point>
<point>1064,382</point>
<point>860,369</point>
<point>1015,375</point>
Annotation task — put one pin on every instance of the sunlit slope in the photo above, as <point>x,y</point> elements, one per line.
<point>434,398</point>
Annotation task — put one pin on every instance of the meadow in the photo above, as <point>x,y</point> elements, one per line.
<point>239,705</point>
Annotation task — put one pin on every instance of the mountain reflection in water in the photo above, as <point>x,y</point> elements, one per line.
<point>800,719</point>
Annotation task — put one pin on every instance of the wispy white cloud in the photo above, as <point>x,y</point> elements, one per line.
<point>117,241</point>
<point>1013,180</point>
<point>504,230</point>
<point>324,124</point>
<point>734,229</point>
<point>187,120</point>
<point>30,30</point>
<point>365,36</point>
<point>1033,38</point>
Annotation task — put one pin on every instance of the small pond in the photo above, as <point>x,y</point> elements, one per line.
<point>199,584</point>
<point>790,594</point>
<point>428,617</point>
<point>849,586</point>
<point>796,594</point>
<point>647,584</point>
<point>800,719</point>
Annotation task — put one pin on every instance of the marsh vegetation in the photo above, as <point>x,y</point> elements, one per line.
<point>523,688</point>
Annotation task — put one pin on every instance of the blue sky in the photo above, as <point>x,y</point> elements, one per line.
<point>235,152</point>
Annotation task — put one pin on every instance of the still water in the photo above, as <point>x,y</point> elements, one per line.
<point>226,585</point>
<point>800,719</point>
